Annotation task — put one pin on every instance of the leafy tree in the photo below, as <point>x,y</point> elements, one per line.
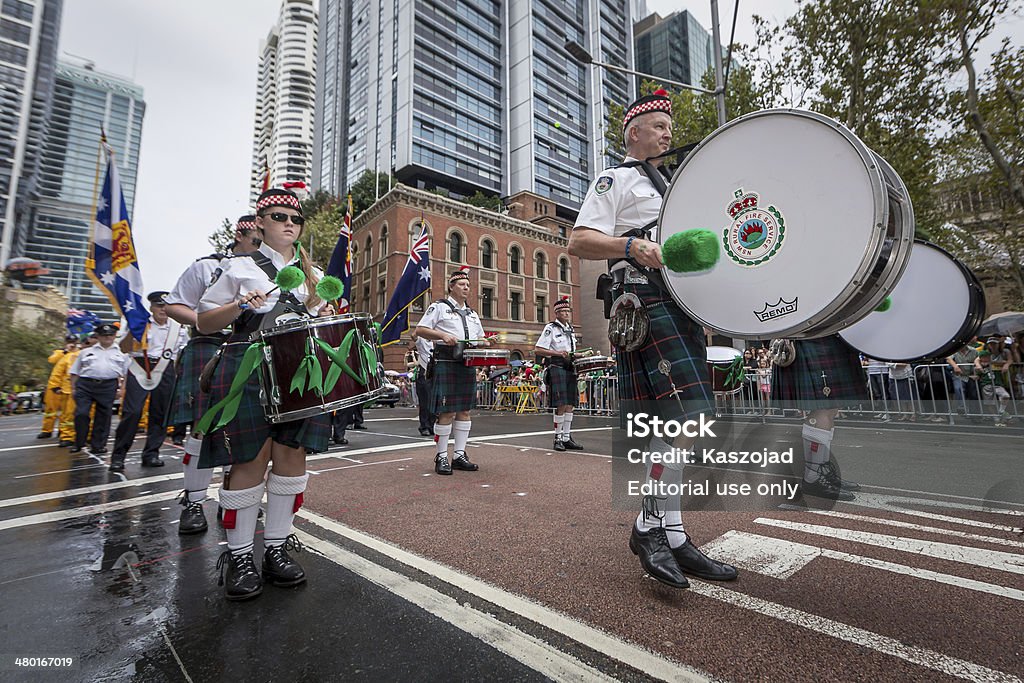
<point>318,201</point>
<point>483,201</point>
<point>323,228</point>
<point>368,189</point>
<point>24,360</point>
<point>222,238</point>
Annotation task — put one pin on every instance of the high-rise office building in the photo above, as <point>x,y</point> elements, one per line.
<point>675,47</point>
<point>283,139</point>
<point>85,102</point>
<point>468,95</point>
<point>29,31</point>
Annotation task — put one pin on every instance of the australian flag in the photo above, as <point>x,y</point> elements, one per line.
<point>341,258</point>
<point>414,282</point>
<point>112,264</point>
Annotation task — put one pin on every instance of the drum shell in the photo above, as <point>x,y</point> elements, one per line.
<point>287,345</point>
<point>720,364</point>
<point>865,337</point>
<point>882,243</point>
<point>592,363</point>
<point>485,357</point>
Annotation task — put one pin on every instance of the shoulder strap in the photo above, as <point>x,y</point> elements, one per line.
<point>462,316</point>
<point>212,257</point>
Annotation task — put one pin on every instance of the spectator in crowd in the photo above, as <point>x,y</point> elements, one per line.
<point>991,387</point>
<point>903,390</point>
<point>764,380</point>
<point>965,387</point>
<point>53,398</point>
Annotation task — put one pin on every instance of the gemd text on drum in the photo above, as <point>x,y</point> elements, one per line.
<point>642,424</point>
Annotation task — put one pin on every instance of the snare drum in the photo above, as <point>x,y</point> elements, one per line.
<point>937,307</point>
<point>477,357</point>
<point>592,363</point>
<point>288,345</point>
<point>725,368</point>
<point>815,228</point>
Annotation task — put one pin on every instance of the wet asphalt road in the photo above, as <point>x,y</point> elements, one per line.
<point>92,568</point>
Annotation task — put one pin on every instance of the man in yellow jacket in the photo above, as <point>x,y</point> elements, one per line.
<point>53,399</point>
<point>66,431</point>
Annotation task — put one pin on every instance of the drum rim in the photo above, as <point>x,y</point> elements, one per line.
<point>873,249</point>
<point>479,353</point>
<point>308,323</point>
<point>970,326</point>
<point>322,409</point>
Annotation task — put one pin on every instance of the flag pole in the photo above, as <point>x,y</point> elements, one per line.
<point>90,261</point>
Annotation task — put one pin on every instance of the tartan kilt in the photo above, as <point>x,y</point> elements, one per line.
<point>562,389</point>
<point>188,403</point>
<point>801,381</point>
<point>673,337</point>
<point>241,439</point>
<point>453,387</point>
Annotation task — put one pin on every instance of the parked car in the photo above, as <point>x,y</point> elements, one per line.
<point>392,395</point>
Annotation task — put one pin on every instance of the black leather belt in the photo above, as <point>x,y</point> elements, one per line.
<point>93,379</point>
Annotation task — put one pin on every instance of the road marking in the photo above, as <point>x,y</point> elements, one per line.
<point>522,647</point>
<point>651,664</point>
<point>920,656</point>
<point>993,559</point>
<point>908,525</point>
<point>780,559</point>
<point>85,511</point>
<point>901,504</point>
<point>362,464</point>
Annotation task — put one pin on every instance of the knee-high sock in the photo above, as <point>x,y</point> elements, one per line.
<point>559,422</point>
<point>196,480</point>
<point>817,443</point>
<point>669,509</point>
<point>240,510</point>
<point>566,426</point>
<point>461,428</point>
<point>284,498</point>
<point>442,432</point>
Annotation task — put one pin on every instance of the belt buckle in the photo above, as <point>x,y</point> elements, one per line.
<point>634,277</point>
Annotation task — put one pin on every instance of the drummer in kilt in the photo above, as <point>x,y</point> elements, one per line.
<point>668,371</point>
<point>188,403</point>
<point>450,324</point>
<point>244,296</point>
<point>556,345</point>
<point>824,376</point>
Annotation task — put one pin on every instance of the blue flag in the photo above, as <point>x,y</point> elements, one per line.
<point>112,264</point>
<point>414,282</point>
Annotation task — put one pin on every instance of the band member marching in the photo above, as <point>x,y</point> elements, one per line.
<point>667,368</point>
<point>245,297</point>
<point>452,325</point>
<point>189,403</point>
<point>557,344</point>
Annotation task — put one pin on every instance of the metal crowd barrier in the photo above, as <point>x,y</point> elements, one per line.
<point>599,396</point>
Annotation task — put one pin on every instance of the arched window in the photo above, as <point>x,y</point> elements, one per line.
<point>541,263</point>
<point>369,251</point>
<point>563,270</point>
<point>384,242</point>
<point>515,259</point>
<point>487,254</point>
<point>455,247</point>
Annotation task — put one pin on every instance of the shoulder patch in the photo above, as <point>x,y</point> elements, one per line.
<point>604,183</point>
<point>216,275</point>
<point>547,332</point>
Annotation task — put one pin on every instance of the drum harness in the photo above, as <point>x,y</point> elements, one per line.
<point>445,352</point>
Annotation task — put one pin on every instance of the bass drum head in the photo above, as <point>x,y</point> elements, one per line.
<point>723,354</point>
<point>937,307</point>
<point>801,208</point>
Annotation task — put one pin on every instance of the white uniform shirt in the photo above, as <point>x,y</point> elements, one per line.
<point>97,362</point>
<point>619,200</point>
<point>189,288</point>
<point>443,319</point>
<point>424,349</point>
<point>557,337</point>
<point>242,276</point>
<point>156,340</point>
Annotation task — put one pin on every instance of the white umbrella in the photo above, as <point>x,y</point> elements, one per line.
<point>1002,324</point>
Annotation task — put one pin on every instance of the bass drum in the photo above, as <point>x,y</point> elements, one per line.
<point>815,228</point>
<point>937,307</point>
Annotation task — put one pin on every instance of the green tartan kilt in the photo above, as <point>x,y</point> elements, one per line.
<point>241,439</point>
<point>453,387</point>
<point>676,339</point>
<point>802,384</point>
<point>562,389</point>
<point>188,403</point>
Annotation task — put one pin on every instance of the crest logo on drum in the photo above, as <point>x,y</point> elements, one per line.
<point>756,234</point>
<point>777,310</point>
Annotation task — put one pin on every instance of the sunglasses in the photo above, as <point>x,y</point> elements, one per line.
<point>279,217</point>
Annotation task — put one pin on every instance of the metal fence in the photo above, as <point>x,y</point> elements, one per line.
<point>931,393</point>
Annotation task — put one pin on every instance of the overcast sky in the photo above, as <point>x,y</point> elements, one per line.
<point>196,61</point>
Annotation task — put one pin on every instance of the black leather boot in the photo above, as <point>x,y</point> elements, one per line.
<point>461,462</point>
<point>193,519</point>
<point>239,577</point>
<point>279,569</point>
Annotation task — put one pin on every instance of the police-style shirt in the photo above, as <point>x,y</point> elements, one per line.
<point>619,200</point>
<point>424,349</point>
<point>557,337</point>
<point>156,340</point>
<point>241,276</point>
<point>191,285</point>
<point>97,362</point>
<point>443,319</point>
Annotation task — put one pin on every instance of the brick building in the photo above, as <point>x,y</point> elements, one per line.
<point>519,266</point>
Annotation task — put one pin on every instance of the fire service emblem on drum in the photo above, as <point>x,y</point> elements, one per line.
<point>756,234</point>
